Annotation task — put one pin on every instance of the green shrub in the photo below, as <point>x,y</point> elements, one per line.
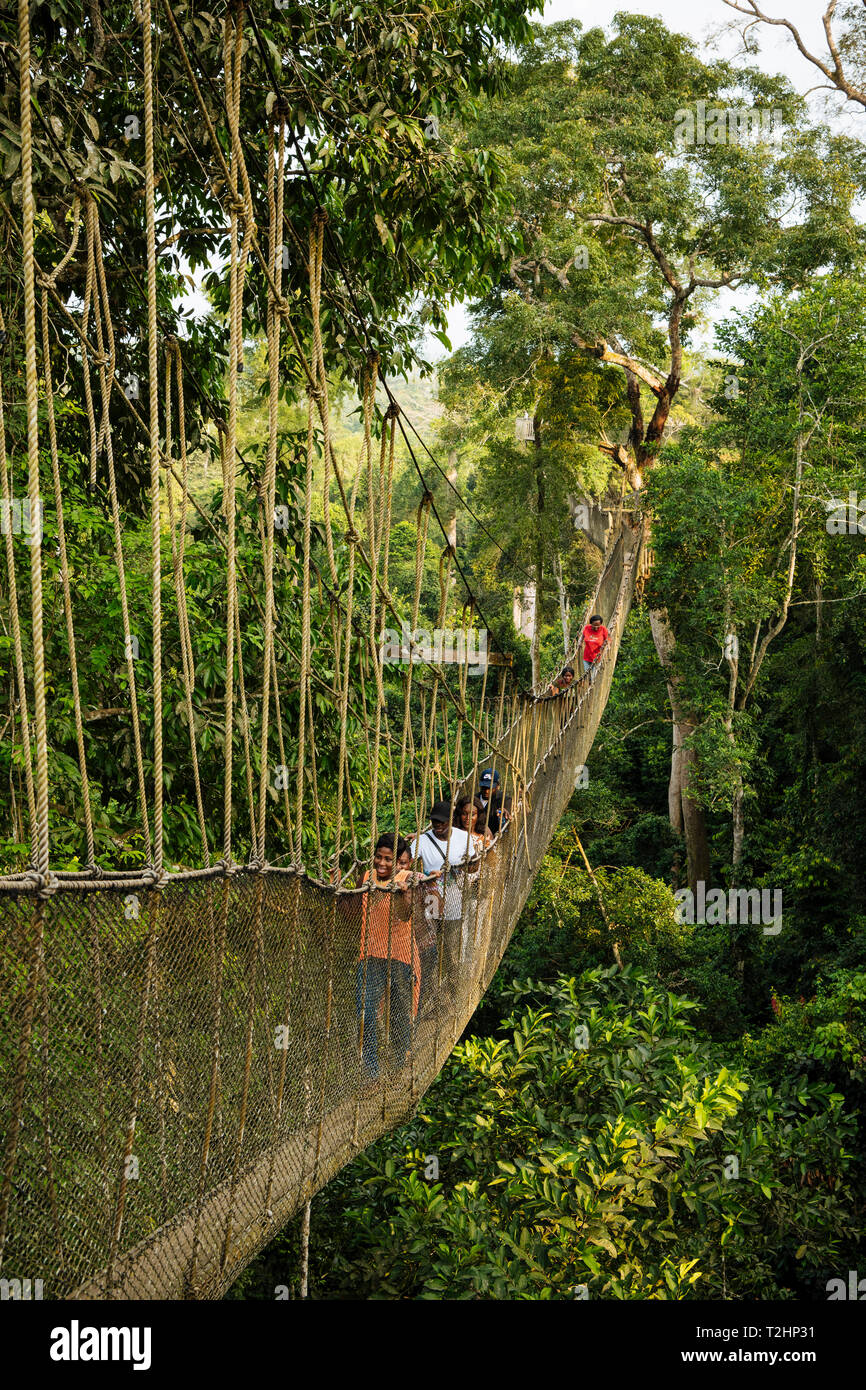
<point>637,1167</point>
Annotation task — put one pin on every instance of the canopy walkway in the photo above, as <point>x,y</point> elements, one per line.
<point>169,1023</point>
<point>180,1064</point>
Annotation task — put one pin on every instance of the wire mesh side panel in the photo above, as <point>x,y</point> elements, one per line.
<point>180,1070</point>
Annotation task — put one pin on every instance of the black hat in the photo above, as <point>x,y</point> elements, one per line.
<point>440,810</point>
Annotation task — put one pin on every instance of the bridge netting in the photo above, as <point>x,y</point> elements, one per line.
<point>194,1071</point>
<point>181,1065</point>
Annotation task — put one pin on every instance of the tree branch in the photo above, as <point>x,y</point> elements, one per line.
<point>646,231</point>
<point>605,353</point>
<point>834,74</point>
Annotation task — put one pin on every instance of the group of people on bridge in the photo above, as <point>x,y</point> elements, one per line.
<point>413,928</point>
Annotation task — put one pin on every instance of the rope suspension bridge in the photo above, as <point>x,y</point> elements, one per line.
<point>181,1065</point>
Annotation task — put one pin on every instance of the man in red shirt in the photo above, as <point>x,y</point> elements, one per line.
<point>595,634</point>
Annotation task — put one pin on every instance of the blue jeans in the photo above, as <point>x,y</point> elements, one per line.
<point>367,1006</point>
<point>587,666</point>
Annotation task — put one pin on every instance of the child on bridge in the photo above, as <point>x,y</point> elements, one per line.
<point>389,966</point>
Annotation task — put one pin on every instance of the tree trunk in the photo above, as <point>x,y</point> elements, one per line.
<point>563,605</point>
<point>535,648</point>
<point>686,814</point>
<point>694,823</point>
<point>452,478</point>
<point>675,785</point>
<point>539,557</point>
<point>523,611</point>
<point>738,826</point>
<point>739,830</point>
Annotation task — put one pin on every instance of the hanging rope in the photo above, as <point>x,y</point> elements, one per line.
<point>305,635</point>
<point>276,172</point>
<point>16,631</point>
<point>232,42</point>
<point>64,560</point>
<point>153,398</point>
<point>129,638</point>
<point>28,217</point>
<point>178,548</point>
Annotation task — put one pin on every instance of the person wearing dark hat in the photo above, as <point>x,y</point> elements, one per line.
<point>443,849</point>
<point>491,801</point>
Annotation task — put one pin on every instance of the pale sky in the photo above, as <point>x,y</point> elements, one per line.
<point>701,19</point>
<point>705,21</point>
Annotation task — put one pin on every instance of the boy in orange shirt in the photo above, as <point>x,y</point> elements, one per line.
<point>388,950</point>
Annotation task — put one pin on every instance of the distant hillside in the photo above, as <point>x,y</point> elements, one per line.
<point>415,395</point>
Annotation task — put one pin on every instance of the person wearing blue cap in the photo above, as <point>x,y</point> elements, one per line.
<point>491,801</point>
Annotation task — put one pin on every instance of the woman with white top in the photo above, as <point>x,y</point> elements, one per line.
<point>445,849</point>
